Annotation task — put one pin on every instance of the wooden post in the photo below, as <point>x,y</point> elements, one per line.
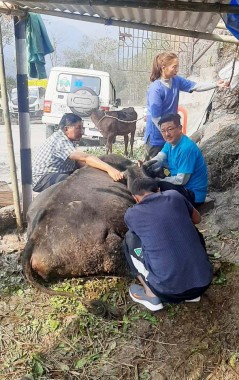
<point>7,122</point>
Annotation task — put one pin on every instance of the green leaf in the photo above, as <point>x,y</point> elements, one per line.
<point>217,255</point>
<point>233,359</point>
<point>80,363</point>
<point>38,369</point>
<point>54,324</point>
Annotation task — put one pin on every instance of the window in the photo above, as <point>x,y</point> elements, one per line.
<point>72,83</point>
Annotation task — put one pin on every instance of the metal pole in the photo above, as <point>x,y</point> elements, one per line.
<point>202,53</point>
<point>7,122</point>
<point>23,113</point>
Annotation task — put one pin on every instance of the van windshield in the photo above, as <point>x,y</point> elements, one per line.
<point>72,83</point>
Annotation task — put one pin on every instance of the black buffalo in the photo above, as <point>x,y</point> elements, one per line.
<point>75,228</point>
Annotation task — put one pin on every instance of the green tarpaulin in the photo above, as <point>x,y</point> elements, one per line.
<point>38,45</point>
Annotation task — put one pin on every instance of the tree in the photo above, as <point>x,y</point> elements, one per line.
<point>7,29</point>
<point>11,83</point>
<point>100,54</point>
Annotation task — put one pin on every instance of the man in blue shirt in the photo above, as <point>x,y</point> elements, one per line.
<point>163,248</point>
<point>184,160</point>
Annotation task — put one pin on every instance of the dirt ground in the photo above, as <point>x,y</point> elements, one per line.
<point>46,337</point>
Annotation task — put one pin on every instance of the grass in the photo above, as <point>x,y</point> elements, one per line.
<point>64,338</point>
<point>118,148</point>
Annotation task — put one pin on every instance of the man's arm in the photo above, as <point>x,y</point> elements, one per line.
<point>152,167</point>
<point>95,162</point>
<point>156,122</point>
<point>196,216</point>
<point>161,157</point>
<point>179,179</point>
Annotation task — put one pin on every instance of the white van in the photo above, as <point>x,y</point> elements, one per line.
<point>79,91</point>
<point>36,101</point>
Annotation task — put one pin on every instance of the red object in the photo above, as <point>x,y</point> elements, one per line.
<point>185,118</point>
<point>47,105</point>
<point>105,108</point>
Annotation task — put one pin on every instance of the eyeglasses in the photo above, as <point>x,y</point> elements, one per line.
<point>77,127</point>
<point>168,130</point>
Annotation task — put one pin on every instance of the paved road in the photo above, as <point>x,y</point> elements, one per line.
<point>37,132</point>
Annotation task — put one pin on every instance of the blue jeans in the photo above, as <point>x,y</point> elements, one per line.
<point>48,180</point>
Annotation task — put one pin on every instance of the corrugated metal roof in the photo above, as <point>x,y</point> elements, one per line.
<point>187,20</point>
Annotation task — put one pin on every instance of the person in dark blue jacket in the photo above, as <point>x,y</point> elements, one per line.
<point>163,97</point>
<point>163,248</point>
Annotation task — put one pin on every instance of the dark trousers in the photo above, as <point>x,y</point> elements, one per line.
<point>188,194</point>
<point>132,248</point>
<point>151,150</point>
<point>48,180</point>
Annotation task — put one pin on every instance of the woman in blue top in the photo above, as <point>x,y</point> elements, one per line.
<point>163,96</point>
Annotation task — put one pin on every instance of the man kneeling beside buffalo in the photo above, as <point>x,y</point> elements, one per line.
<point>58,157</point>
<point>184,160</point>
<point>163,248</point>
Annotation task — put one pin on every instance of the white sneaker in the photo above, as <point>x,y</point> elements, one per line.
<point>194,299</point>
<point>138,295</point>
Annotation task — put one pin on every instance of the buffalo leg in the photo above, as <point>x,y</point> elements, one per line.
<point>126,142</point>
<point>132,141</point>
<point>109,143</point>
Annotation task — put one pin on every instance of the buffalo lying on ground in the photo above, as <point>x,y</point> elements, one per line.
<point>75,228</point>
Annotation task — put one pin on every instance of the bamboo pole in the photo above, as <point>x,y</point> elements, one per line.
<point>7,122</point>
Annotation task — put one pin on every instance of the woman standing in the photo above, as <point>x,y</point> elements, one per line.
<point>163,96</point>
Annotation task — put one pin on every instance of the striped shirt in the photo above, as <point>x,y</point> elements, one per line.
<point>53,157</point>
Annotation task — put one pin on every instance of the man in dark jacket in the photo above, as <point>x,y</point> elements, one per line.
<point>163,247</point>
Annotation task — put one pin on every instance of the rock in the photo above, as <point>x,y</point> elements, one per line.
<point>221,153</point>
<point>7,218</point>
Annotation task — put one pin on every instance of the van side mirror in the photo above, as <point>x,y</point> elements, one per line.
<point>117,102</point>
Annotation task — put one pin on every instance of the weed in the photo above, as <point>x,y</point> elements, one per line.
<point>220,279</point>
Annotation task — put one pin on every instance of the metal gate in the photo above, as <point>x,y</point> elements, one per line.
<point>137,48</point>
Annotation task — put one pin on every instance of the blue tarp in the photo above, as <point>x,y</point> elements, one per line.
<point>38,45</point>
<point>232,20</point>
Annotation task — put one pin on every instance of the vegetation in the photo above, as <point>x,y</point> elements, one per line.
<point>7,29</point>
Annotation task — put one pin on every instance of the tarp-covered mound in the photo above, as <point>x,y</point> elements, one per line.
<point>221,225</point>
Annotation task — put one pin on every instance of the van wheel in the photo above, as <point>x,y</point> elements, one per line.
<point>49,130</point>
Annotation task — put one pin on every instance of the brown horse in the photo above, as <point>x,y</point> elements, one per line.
<point>116,123</point>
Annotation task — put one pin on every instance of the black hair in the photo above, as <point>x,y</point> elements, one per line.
<point>140,186</point>
<point>69,119</point>
<point>175,117</point>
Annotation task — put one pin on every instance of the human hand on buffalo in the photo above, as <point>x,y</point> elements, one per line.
<point>115,174</point>
<point>153,169</point>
